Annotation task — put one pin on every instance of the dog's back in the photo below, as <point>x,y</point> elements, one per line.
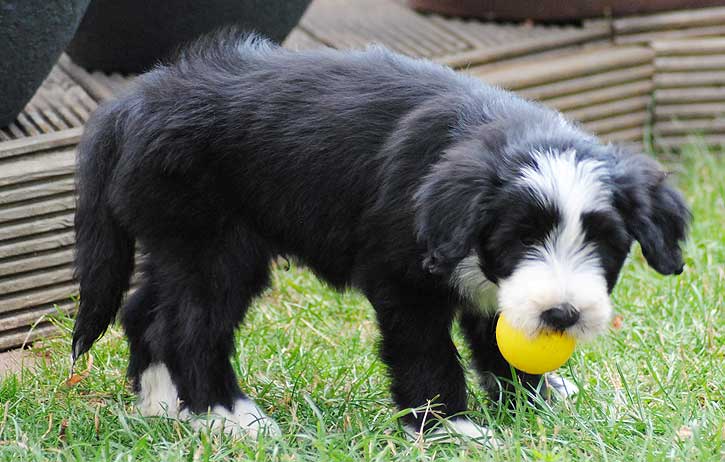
<point>219,133</point>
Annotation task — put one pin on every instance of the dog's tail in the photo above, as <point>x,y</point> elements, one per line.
<point>104,250</point>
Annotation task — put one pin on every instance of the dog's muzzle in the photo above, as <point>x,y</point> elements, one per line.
<point>561,316</point>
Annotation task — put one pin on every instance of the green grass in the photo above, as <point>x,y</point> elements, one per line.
<point>652,390</point>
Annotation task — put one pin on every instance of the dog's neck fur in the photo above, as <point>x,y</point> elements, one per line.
<point>472,286</point>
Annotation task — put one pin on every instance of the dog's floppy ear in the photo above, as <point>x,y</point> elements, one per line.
<point>654,212</point>
<point>450,206</point>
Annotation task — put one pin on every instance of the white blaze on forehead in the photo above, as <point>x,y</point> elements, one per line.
<point>565,268</point>
<point>573,185</point>
<point>573,188</point>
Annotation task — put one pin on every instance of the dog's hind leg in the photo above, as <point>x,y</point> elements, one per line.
<point>205,286</point>
<point>147,371</point>
<point>136,317</point>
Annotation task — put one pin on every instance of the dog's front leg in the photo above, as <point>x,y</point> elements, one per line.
<point>423,361</point>
<point>494,372</point>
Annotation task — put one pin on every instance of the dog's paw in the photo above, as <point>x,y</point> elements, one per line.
<point>560,387</point>
<point>452,430</point>
<point>245,419</point>
<point>461,426</point>
<point>158,396</point>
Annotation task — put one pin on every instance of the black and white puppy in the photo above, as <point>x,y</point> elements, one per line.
<point>433,193</point>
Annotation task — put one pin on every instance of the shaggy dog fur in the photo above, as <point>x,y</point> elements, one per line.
<point>432,193</point>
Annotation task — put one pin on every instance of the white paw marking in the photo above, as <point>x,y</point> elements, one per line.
<point>451,429</point>
<point>246,419</point>
<point>562,387</point>
<point>464,427</point>
<point>158,396</point>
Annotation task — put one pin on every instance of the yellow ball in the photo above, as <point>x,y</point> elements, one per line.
<point>543,353</point>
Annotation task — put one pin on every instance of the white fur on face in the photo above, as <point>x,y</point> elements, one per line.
<point>472,285</point>
<point>565,269</point>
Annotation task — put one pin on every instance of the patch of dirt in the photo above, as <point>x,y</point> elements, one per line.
<point>13,361</point>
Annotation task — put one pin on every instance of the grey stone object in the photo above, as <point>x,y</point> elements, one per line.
<point>33,34</point>
<point>132,36</point>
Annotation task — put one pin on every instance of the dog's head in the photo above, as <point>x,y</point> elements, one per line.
<point>549,227</point>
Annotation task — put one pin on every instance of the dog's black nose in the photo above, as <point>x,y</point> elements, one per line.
<point>561,316</point>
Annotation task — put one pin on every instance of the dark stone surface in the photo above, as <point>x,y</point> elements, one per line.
<point>33,33</point>
<point>133,35</point>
